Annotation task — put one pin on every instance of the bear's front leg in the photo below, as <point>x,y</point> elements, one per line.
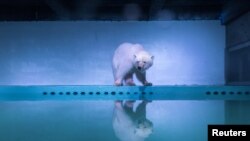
<point>142,78</point>
<point>129,79</point>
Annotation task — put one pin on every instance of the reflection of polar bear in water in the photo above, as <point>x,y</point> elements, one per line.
<point>129,125</point>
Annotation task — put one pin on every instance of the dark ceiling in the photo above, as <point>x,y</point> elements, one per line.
<point>52,10</point>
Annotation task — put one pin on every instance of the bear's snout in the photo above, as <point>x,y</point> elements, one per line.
<point>139,68</point>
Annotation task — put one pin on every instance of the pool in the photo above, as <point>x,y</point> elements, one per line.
<point>48,113</point>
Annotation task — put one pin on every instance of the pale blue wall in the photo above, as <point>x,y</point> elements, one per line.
<point>188,52</point>
<point>39,53</point>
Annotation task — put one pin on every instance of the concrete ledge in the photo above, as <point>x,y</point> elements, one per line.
<point>197,92</point>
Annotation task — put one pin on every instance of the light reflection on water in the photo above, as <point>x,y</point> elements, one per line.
<point>93,120</point>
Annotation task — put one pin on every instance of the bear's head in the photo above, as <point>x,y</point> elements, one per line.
<point>142,61</point>
<point>144,128</point>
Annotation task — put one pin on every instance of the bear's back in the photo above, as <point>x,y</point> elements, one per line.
<point>127,50</point>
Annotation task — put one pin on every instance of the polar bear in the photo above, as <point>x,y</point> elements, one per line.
<point>129,125</point>
<point>131,59</point>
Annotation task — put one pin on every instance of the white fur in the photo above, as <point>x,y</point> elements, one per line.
<point>125,125</point>
<point>131,59</point>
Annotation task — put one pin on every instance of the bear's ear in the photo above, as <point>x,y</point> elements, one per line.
<point>152,57</point>
<point>134,56</point>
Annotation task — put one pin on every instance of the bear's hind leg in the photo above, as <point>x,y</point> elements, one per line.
<point>118,82</point>
<point>121,73</point>
<point>118,104</point>
<point>119,79</point>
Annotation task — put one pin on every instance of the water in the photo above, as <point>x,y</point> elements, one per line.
<point>173,120</point>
